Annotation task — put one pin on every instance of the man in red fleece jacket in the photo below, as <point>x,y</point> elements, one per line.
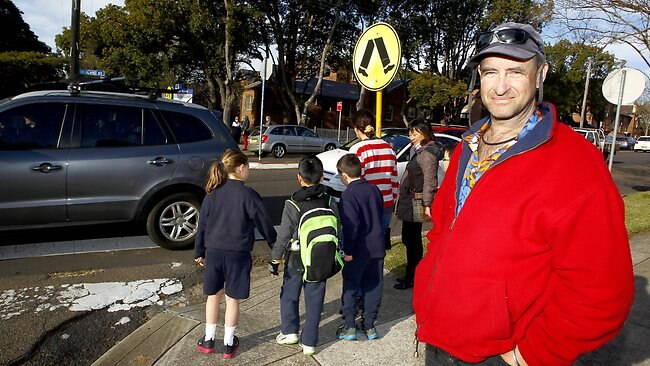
<point>528,260</point>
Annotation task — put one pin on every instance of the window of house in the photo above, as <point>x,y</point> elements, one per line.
<point>248,102</point>
<point>388,112</point>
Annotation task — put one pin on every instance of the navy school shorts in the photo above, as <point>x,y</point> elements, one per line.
<point>229,269</point>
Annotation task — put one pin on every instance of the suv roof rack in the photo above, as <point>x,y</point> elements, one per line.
<point>152,93</point>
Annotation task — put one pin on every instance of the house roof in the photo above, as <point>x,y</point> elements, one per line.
<point>332,89</point>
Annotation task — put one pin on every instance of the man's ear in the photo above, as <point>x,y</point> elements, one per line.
<point>541,75</point>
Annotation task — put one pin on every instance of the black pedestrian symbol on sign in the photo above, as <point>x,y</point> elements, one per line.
<point>385,59</point>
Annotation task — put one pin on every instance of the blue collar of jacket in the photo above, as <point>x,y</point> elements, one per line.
<point>536,137</point>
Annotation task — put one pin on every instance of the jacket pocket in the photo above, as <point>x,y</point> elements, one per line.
<point>472,311</point>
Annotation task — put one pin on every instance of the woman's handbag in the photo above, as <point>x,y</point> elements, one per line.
<point>418,208</point>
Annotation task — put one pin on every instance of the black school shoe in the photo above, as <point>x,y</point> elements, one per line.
<point>205,346</point>
<point>230,351</point>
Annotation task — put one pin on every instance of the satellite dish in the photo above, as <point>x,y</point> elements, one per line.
<point>633,86</point>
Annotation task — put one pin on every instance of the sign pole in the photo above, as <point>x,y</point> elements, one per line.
<point>618,115</point>
<point>378,112</point>
<point>338,137</point>
<point>259,141</point>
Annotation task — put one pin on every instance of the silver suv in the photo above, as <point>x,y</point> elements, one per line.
<point>93,157</point>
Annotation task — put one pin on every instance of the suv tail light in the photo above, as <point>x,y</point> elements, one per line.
<point>264,138</point>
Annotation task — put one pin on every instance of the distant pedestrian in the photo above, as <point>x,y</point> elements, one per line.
<point>235,130</point>
<point>310,197</point>
<point>224,242</point>
<point>245,127</point>
<point>361,209</point>
<point>378,163</point>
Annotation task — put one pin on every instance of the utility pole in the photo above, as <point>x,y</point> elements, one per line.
<point>584,98</point>
<point>74,40</point>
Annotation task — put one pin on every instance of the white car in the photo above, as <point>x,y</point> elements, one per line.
<point>397,138</point>
<point>642,144</point>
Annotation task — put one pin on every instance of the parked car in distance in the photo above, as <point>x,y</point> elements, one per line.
<point>396,137</point>
<point>642,144</point>
<point>597,138</point>
<point>453,130</point>
<point>625,142</point>
<point>282,139</point>
<point>79,158</point>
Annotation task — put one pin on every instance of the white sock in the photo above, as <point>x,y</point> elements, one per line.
<point>228,335</point>
<point>210,331</point>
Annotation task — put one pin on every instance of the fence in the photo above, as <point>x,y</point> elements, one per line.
<point>346,134</point>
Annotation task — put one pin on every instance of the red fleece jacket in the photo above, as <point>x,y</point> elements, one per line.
<point>538,256</point>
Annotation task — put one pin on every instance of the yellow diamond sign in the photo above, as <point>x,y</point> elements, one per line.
<point>377,56</point>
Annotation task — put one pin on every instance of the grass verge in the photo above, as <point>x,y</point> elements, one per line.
<point>637,220</point>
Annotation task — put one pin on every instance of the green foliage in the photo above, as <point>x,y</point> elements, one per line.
<point>565,81</point>
<point>19,70</point>
<point>16,34</point>
<point>437,93</point>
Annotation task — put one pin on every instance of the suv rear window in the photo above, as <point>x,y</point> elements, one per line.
<point>644,138</point>
<point>186,128</point>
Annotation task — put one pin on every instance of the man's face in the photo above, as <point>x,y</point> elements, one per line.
<point>508,86</point>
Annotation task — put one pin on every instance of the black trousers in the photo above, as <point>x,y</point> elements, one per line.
<point>437,357</point>
<point>412,239</point>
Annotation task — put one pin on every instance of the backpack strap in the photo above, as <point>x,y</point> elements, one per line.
<point>295,232</point>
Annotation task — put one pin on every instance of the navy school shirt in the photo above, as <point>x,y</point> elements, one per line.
<point>229,215</point>
<point>361,209</point>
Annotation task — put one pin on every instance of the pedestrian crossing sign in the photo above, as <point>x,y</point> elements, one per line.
<point>377,56</point>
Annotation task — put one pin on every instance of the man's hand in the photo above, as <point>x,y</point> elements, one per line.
<point>427,211</point>
<point>347,258</point>
<point>274,266</point>
<point>200,261</point>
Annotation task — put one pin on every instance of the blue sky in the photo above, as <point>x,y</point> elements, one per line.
<point>48,17</point>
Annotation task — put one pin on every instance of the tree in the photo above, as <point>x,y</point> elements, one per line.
<point>565,81</point>
<point>609,21</point>
<point>24,60</point>
<point>308,36</point>
<point>16,34</point>
<point>447,97</point>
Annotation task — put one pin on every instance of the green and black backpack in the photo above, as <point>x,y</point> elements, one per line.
<point>317,235</point>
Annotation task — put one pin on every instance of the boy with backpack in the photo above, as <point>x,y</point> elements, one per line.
<point>361,209</point>
<point>308,243</point>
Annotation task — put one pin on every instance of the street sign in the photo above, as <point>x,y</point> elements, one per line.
<point>377,56</point>
<point>92,72</point>
<point>632,87</point>
<point>339,106</point>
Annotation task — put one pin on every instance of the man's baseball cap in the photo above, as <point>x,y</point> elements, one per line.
<point>514,40</point>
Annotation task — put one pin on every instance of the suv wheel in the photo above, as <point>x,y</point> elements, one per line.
<point>174,221</point>
<point>279,150</point>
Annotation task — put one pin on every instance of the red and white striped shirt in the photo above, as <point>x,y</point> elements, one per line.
<point>379,167</point>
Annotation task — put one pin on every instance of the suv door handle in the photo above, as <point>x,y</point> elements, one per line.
<point>159,161</point>
<point>46,167</point>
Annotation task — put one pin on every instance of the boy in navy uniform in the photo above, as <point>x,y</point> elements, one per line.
<point>361,210</point>
<point>311,195</point>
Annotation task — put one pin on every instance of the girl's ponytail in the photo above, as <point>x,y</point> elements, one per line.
<point>219,170</point>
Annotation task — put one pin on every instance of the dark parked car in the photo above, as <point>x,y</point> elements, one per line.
<point>93,157</point>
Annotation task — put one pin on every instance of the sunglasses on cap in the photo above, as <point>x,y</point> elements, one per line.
<point>507,36</point>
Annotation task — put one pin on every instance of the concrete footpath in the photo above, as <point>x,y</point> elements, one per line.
<point>170,337</point>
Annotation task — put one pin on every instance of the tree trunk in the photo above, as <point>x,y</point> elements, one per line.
<point>323,56</point>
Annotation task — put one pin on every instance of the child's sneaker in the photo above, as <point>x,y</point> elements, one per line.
<point>205,346</point>
<point>349,334</point>
<point>370,333</point>
<point>291,338</point>
<point>308,350</point>
<point>230,351</point>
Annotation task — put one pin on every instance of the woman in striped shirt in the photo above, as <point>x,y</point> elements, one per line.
<point>378,161</point>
